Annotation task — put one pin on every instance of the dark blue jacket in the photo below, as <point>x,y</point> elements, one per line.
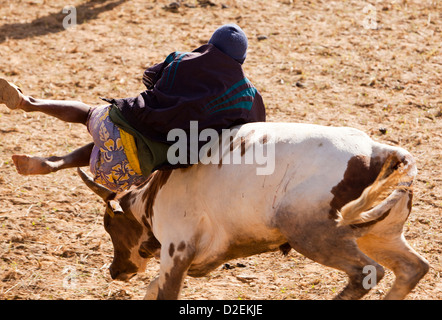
<point>205,85</point>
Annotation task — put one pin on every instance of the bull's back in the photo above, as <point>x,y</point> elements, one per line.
<point>307,161</point>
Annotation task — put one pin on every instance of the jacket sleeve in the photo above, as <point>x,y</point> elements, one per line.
<point>154,73</point>
<point>258,111</point>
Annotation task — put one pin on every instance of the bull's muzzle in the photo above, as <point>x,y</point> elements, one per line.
<point>117,274</point>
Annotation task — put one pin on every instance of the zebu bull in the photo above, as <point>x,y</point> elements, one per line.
<point>335,196</point>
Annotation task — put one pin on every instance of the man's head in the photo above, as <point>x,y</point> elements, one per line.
<point>231,40</point>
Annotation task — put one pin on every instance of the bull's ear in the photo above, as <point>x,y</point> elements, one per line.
<point>113,208</point>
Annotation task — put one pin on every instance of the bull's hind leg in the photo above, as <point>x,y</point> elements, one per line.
<point>396,254</point>
<point>337,248</point>
<point>386,244</point>
<point>344,255</point>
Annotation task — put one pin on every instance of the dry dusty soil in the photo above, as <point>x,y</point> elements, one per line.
<point>372,65</point>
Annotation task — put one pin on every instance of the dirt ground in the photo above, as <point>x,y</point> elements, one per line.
<point>372,65</point>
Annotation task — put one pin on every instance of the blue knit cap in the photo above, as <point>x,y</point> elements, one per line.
<point>231,40</point>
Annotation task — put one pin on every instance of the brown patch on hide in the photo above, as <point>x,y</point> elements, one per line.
<point>220,153</point>
<point>242,142</point>
<point>125,224</point>
<point>125,232</point>
<point>245,142</point>
<point>174,278</point>
<point>232,144</point>
<point>171,249</point>
<point>243,146</point>
<point>145,221</point>
<point>151,188</point>
<point>361,172</point>
<point>181,246</point>
<point>264,139</point>
<point>149,247</point>
<point>236,141</point>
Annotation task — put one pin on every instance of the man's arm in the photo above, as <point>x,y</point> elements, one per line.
<point>154,73</point>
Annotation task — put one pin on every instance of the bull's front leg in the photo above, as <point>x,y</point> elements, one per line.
<point>175,260</point>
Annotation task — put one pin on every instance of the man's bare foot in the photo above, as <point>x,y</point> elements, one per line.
<point>28,165</point>
<point>11,95</point>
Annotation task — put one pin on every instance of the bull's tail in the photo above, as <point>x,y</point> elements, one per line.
<point>395,177</point>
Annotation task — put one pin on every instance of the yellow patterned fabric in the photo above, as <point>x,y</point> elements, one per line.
<point>130,148</point>
<point>109,161</point>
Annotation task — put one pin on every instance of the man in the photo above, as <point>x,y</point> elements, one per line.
<point>207,85</point>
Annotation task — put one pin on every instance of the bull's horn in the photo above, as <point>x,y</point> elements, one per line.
<point>100,190</point>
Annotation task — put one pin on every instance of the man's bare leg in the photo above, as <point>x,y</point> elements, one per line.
<point>28,165</point>
<point>69,111</point>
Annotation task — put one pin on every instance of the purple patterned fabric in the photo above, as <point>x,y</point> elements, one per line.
<point>108,162</point>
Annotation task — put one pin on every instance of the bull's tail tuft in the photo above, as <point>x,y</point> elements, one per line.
<point>395,177</point>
